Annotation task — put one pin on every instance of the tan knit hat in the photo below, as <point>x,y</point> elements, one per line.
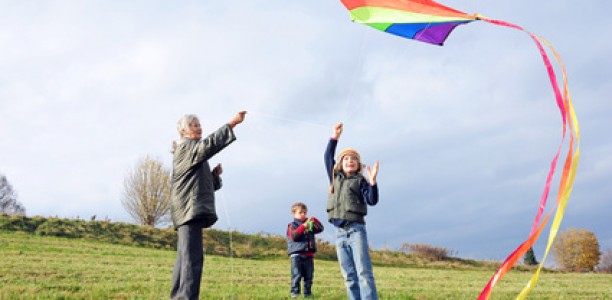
<point>338,166</point>
<point>345,152</point>
<point>349,151</point>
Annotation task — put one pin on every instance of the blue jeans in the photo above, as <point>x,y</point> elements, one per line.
<point>354,258</point>
<point>301,267</point>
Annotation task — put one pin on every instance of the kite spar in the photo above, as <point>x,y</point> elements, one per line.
<point>431,22</point>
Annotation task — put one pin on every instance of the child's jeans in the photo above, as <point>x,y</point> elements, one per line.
<point>301,267</point>
<point>354,258</point>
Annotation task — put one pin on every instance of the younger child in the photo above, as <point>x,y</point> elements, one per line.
<point>301,246</point>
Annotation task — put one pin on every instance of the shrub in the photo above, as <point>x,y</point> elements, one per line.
<point>428,251</point>
<point>20,223</point>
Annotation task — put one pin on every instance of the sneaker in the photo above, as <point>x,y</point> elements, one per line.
<point>294,295</point>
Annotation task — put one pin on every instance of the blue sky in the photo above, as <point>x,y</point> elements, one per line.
<point>464,133</point>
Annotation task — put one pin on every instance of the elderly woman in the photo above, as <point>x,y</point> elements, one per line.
<point>193,199</point>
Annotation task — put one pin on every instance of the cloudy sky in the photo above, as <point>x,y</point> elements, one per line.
<point>464,133</point>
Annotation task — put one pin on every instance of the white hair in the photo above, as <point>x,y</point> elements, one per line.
<point>181,126</point>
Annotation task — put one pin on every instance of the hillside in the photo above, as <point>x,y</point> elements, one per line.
<point>217,242</point>
<point>47,267</point>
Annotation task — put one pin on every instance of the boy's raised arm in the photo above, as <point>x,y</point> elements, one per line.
<point>331,150</point>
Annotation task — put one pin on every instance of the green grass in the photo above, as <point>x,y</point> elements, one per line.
<point>43,267</point>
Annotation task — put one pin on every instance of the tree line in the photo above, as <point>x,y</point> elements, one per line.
<point>146,197</point>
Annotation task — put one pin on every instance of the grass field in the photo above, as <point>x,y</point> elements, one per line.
<point>33,266</point>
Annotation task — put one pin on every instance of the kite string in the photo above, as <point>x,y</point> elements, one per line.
<point>283,118</point>
<point>358,69</point>
<point>229,230</point>
<point>347,110</point>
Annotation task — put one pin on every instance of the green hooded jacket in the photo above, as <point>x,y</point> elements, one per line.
<point>193,188</point>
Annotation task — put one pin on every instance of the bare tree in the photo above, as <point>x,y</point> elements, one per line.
<point>8,199</point>
<point>146,192</point>
<point>605,263</point>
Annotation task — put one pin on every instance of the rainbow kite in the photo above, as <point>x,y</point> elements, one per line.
<point>431,22</point>
<point>420,20</point>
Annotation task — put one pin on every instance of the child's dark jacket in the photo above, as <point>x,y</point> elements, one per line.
<point>301,241</point>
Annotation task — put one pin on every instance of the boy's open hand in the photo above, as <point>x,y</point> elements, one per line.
<point>372,173</point>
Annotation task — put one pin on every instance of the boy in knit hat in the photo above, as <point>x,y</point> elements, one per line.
<point>350,194</point>
<point>301,246</point>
